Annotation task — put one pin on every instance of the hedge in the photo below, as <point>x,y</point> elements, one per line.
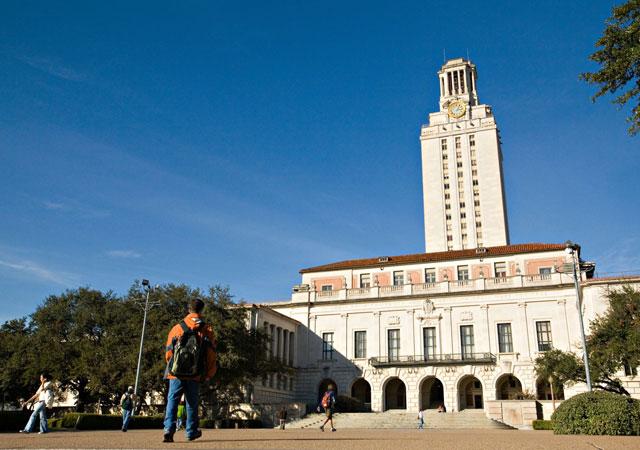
<point>13,420</point>
<point>83,421</point>
<point>598,412</point>
<point>543,425</point>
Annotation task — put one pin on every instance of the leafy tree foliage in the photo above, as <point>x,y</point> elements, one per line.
<point>619,57</point>
<point>613,344</point>
<point>89,342</point>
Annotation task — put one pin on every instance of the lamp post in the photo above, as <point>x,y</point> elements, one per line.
<point>147,287</point>
<point>572,249</point>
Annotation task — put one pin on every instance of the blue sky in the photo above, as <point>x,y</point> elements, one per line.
<point>237,142</point>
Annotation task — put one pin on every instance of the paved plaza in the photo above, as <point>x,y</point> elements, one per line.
<point>315,439</point>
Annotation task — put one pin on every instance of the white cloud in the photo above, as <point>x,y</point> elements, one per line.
<point>53,205</point>
<point>53,68</point>
<point>124,254</point>
<point>36,270</point>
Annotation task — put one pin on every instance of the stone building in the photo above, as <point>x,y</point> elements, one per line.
<point>458,326</point>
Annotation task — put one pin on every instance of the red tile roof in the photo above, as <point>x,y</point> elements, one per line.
<point>438,256</point>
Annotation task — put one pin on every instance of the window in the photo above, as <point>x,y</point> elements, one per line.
<point>429,342</point>
<point>475,182</point>
<point>463,225</point>
<point>429,275</point>
<point>449,227</point>
<point>543,330</point>
<point>446,185</point>
<point>365,280</point>
<point>327,346</point>
<point>459,174</point>
<point>445,166</point>
<point>447,196</point>
<point>458,142</point>
<point>479,236</point>
<point>462,205</point>
<point>448,216</point>
<point>476,203</point>
<point>393,344</point>
<point>477,213</point>
<point>464,237</point>
<point>500,269</point>
<point>463,272</point>
<point>398,278</point>
<point>443,144</point>
<point>326,287</point>
<point>459,164</point>
<point>478,224</point>
<point>458,155</point>
<point>473,153</point>
<point>447,206</point>
<point>445,156</point>
<point>472,140</point>
<point>360,342</point>
<point>474,173</point>
<point>463,215</point>
<point>505,342</point>
<point>449,237</point>
<point>544,270</point>
<point>466,341</point>
<point>460,185</point>
<point>473,163</point>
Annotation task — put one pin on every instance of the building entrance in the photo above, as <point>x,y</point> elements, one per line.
<point>395,394</point>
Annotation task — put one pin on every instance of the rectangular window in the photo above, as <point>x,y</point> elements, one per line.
<point>505,342</point>
<point>544,270</point>
<point>543,330</point>
<point>449,238</point>
<point>477,213</point>
<point>459,164</point>
<point>447,196</point>
<point>500,269</point>
<point>360,343</point>
<point>448,216</point>
<point>447,206</point>
<point>475,182</point>
<point>457,142</point>
<point>463,272</point>
<point>398,278</point>
<point>446,185</point>
<point>466,341</point>
<point>393,344</point>
<point>327,346</point>
<point>472,140</point>
<point>473,163</point>
<point>365,280</point>
<point>463,215</point>
<point>445,156</point>
<point>429,342</point>
<point>326,287</point>
<point>429,275</point>
<point>462,205</point>
<point>443,143</point>
<point>476,203</point>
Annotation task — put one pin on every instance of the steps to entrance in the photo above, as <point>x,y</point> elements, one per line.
<point>467,419</point>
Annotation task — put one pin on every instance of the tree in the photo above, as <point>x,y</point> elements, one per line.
<point>15,356</point>
<point>613,344</point>
<point>619,59</point>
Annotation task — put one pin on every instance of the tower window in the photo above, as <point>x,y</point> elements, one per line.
<point>455,81</point>
<point>462,81</point>
<point>458,145</point>
<point>463,215</point>
<point>448,216</point>
<point>459,163</point>
<point>472,140</point>
<point>445,156</point>
<point>476,203</point>
<point>449,237</point>
<point>449,84</point>
<point>446,185</point>
<point>443,144</point>
<point>475,182</point>
<point>462,205</point>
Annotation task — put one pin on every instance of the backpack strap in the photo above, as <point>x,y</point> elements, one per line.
<point>184,326</point>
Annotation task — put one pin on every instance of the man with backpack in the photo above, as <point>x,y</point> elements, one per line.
<point>127,402</point>
<point>191,358</point>
<point>328,403</point>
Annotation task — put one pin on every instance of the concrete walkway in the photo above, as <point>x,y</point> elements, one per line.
<point>315,439</point>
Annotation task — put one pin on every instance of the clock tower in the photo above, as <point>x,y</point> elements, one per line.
<point>463,189</point>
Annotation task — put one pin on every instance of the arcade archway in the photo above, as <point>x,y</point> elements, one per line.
<point>361,391</point>
<point>395,394</point>
<point>508,387</point>
<point>431,393</point>
<point>470,394</point>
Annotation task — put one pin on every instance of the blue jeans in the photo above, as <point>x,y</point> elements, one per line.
<point>190,390</point>
<point>126,417</point>
<point>39,410</point>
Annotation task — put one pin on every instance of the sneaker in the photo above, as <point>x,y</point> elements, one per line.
<point>333,429</point>
<point>24,431</point>
<point>195,436</point>
<point>124,430</point>
<point>168,437</point>
<point>42,432</point>
<point>322,428</point>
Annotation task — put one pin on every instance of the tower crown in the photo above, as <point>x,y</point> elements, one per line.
<point>458,81</point>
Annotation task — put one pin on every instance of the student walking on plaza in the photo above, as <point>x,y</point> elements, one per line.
<point>44,397</point>
<point>282,417</point>
<point>127,402</point>
<point>328,403</point>
<point>191,358</point>
<point>420,420</point>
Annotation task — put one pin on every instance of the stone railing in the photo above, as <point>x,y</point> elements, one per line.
<point>440,287</point>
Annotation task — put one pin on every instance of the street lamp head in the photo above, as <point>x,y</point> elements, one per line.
<point>570,247</point>
<point>145,282</point>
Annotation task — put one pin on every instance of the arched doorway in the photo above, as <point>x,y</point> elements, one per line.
<point>431,393</point>
<point>508,387</point>
<point>361,391</point>
<point>543,390</point>
<point>470,393</point>
<point>324,386</point>
<point>395,394</point>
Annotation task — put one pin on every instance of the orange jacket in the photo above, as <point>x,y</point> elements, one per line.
<point>193,321</point>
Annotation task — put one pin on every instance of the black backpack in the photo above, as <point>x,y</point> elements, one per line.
<point>189,354</point>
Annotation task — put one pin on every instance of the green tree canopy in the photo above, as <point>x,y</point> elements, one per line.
<point>618,55</point>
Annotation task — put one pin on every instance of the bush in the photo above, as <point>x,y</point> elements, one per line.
<point>543,425</point>
<point>598,412</point>
<point>82,421</point>
<point>13,420</point>
<point>349,404</point>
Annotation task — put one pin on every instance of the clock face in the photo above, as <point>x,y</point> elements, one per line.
<point>457,108</point>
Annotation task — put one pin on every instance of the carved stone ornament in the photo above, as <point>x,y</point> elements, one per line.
<point>466,315</point>
<point>393,320</point>
<point>427,308</point>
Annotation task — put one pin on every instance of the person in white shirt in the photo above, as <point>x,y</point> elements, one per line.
<point>420,420</point>
<point>44,397</point>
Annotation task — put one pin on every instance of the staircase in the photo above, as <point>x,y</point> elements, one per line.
<point>467,419</point>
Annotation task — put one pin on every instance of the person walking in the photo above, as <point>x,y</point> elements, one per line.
<point>328,403</point>
<point>127,403</point>
<point>44,396</point>
<point>191,358</point>
<point>420,419</point>
<point>282,417</point>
